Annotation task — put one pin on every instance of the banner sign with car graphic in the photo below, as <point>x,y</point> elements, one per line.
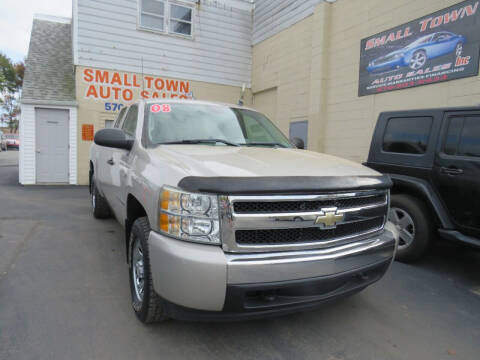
<point>438,47</point>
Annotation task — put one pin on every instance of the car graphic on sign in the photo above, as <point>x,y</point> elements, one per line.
<point>416,54</point>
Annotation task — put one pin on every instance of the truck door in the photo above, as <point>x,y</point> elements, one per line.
<point>118,164</point>
<point>457,169</point>
<point>103,174</point>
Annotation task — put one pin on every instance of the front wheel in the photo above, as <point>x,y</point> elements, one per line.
<point>145,301</point>
<point>411,218</point>
<point>418,60</point>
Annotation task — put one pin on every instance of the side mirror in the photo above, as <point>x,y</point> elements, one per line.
<point>299,144</point>
<point>113,138</point>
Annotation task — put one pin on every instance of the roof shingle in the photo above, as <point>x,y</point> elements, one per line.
<point>49,70</point>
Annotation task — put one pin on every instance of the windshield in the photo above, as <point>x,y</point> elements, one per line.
<point>182,122</point>
<point>8,136</point>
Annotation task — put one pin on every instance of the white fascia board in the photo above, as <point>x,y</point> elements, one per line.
<point>75,31</point>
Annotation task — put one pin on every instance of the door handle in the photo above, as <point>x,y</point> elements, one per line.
<point>451,171</point>
<point>110,162</point>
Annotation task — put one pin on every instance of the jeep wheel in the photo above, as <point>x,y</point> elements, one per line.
<point>100,207</point>
<point>145,302</point>
<point>410,217</point>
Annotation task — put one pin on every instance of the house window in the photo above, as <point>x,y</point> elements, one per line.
<point>152,14</point>
<point>167,16</point>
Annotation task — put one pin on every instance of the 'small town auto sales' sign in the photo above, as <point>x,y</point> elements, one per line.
<point>438,47</point>
<point>122,87</point>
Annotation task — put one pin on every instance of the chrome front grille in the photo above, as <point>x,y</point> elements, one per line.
<point>298,222</point>
<point>255,207</point>
<point>305,235</point>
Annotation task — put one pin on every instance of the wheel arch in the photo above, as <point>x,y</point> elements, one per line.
<point>423,190</point>
<point>135,210</point>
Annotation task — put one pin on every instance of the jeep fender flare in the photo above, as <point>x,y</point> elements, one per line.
<point>428,194</point>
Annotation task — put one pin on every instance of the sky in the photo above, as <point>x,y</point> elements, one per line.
<point>16,18</point>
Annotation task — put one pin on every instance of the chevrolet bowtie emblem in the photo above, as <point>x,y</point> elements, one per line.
<point>329,220</point>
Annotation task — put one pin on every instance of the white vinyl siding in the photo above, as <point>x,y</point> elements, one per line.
<point>26,159</point>
<point>220,52</point>
<point>273,16</point>
<point>27,155</point>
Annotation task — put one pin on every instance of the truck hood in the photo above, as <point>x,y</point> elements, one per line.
<point>210,161</point>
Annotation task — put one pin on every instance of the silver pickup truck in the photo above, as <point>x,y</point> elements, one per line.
<point>226,219</point>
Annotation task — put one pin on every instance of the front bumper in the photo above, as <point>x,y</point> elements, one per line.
<point>202,282</point>
<point>386,66</point>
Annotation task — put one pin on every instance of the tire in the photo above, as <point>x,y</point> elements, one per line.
<point>145,301</point>
<point>411,217</point>
<point>418,60</point>
<point>458,49</point>
<point>100,207</point>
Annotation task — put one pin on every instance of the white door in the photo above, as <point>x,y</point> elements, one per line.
<point>52,148</point>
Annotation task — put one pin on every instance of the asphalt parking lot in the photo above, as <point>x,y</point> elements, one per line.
<point>64,294</point>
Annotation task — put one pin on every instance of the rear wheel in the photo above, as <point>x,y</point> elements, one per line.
<point>145,301</point>
<point>459,50</point>
<point>100,207</point>
<point>411,218</point>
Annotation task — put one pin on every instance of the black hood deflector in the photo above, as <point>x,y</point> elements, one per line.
<point>271,185</point>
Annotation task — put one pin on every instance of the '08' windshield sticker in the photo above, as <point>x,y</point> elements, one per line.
<point>156,108</point>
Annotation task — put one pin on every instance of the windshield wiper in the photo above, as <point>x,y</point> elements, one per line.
<point>200,141</point>
<point>264,144</point>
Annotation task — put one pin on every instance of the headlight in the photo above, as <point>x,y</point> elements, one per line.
<point>188,216</point>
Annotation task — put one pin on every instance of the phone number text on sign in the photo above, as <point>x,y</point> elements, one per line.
<point>113,106</point>
<point>156,108</point>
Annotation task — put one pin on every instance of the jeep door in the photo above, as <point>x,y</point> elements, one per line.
<point>457,169</point>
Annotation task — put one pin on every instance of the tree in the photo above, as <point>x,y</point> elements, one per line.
<point>12,111</point>
<point>11,82</point>
<point>8,75</point>
<point>20,72</point>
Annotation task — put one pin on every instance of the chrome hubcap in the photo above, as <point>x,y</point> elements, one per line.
<point>138,270</point>
<point>418,60</point>
<point>404,224</point>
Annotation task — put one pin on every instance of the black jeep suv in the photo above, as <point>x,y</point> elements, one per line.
<point>433,158</point>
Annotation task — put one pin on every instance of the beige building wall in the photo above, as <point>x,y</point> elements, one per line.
<point>92,109</point>
<point>281,74</point>
<point>314,66</point>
